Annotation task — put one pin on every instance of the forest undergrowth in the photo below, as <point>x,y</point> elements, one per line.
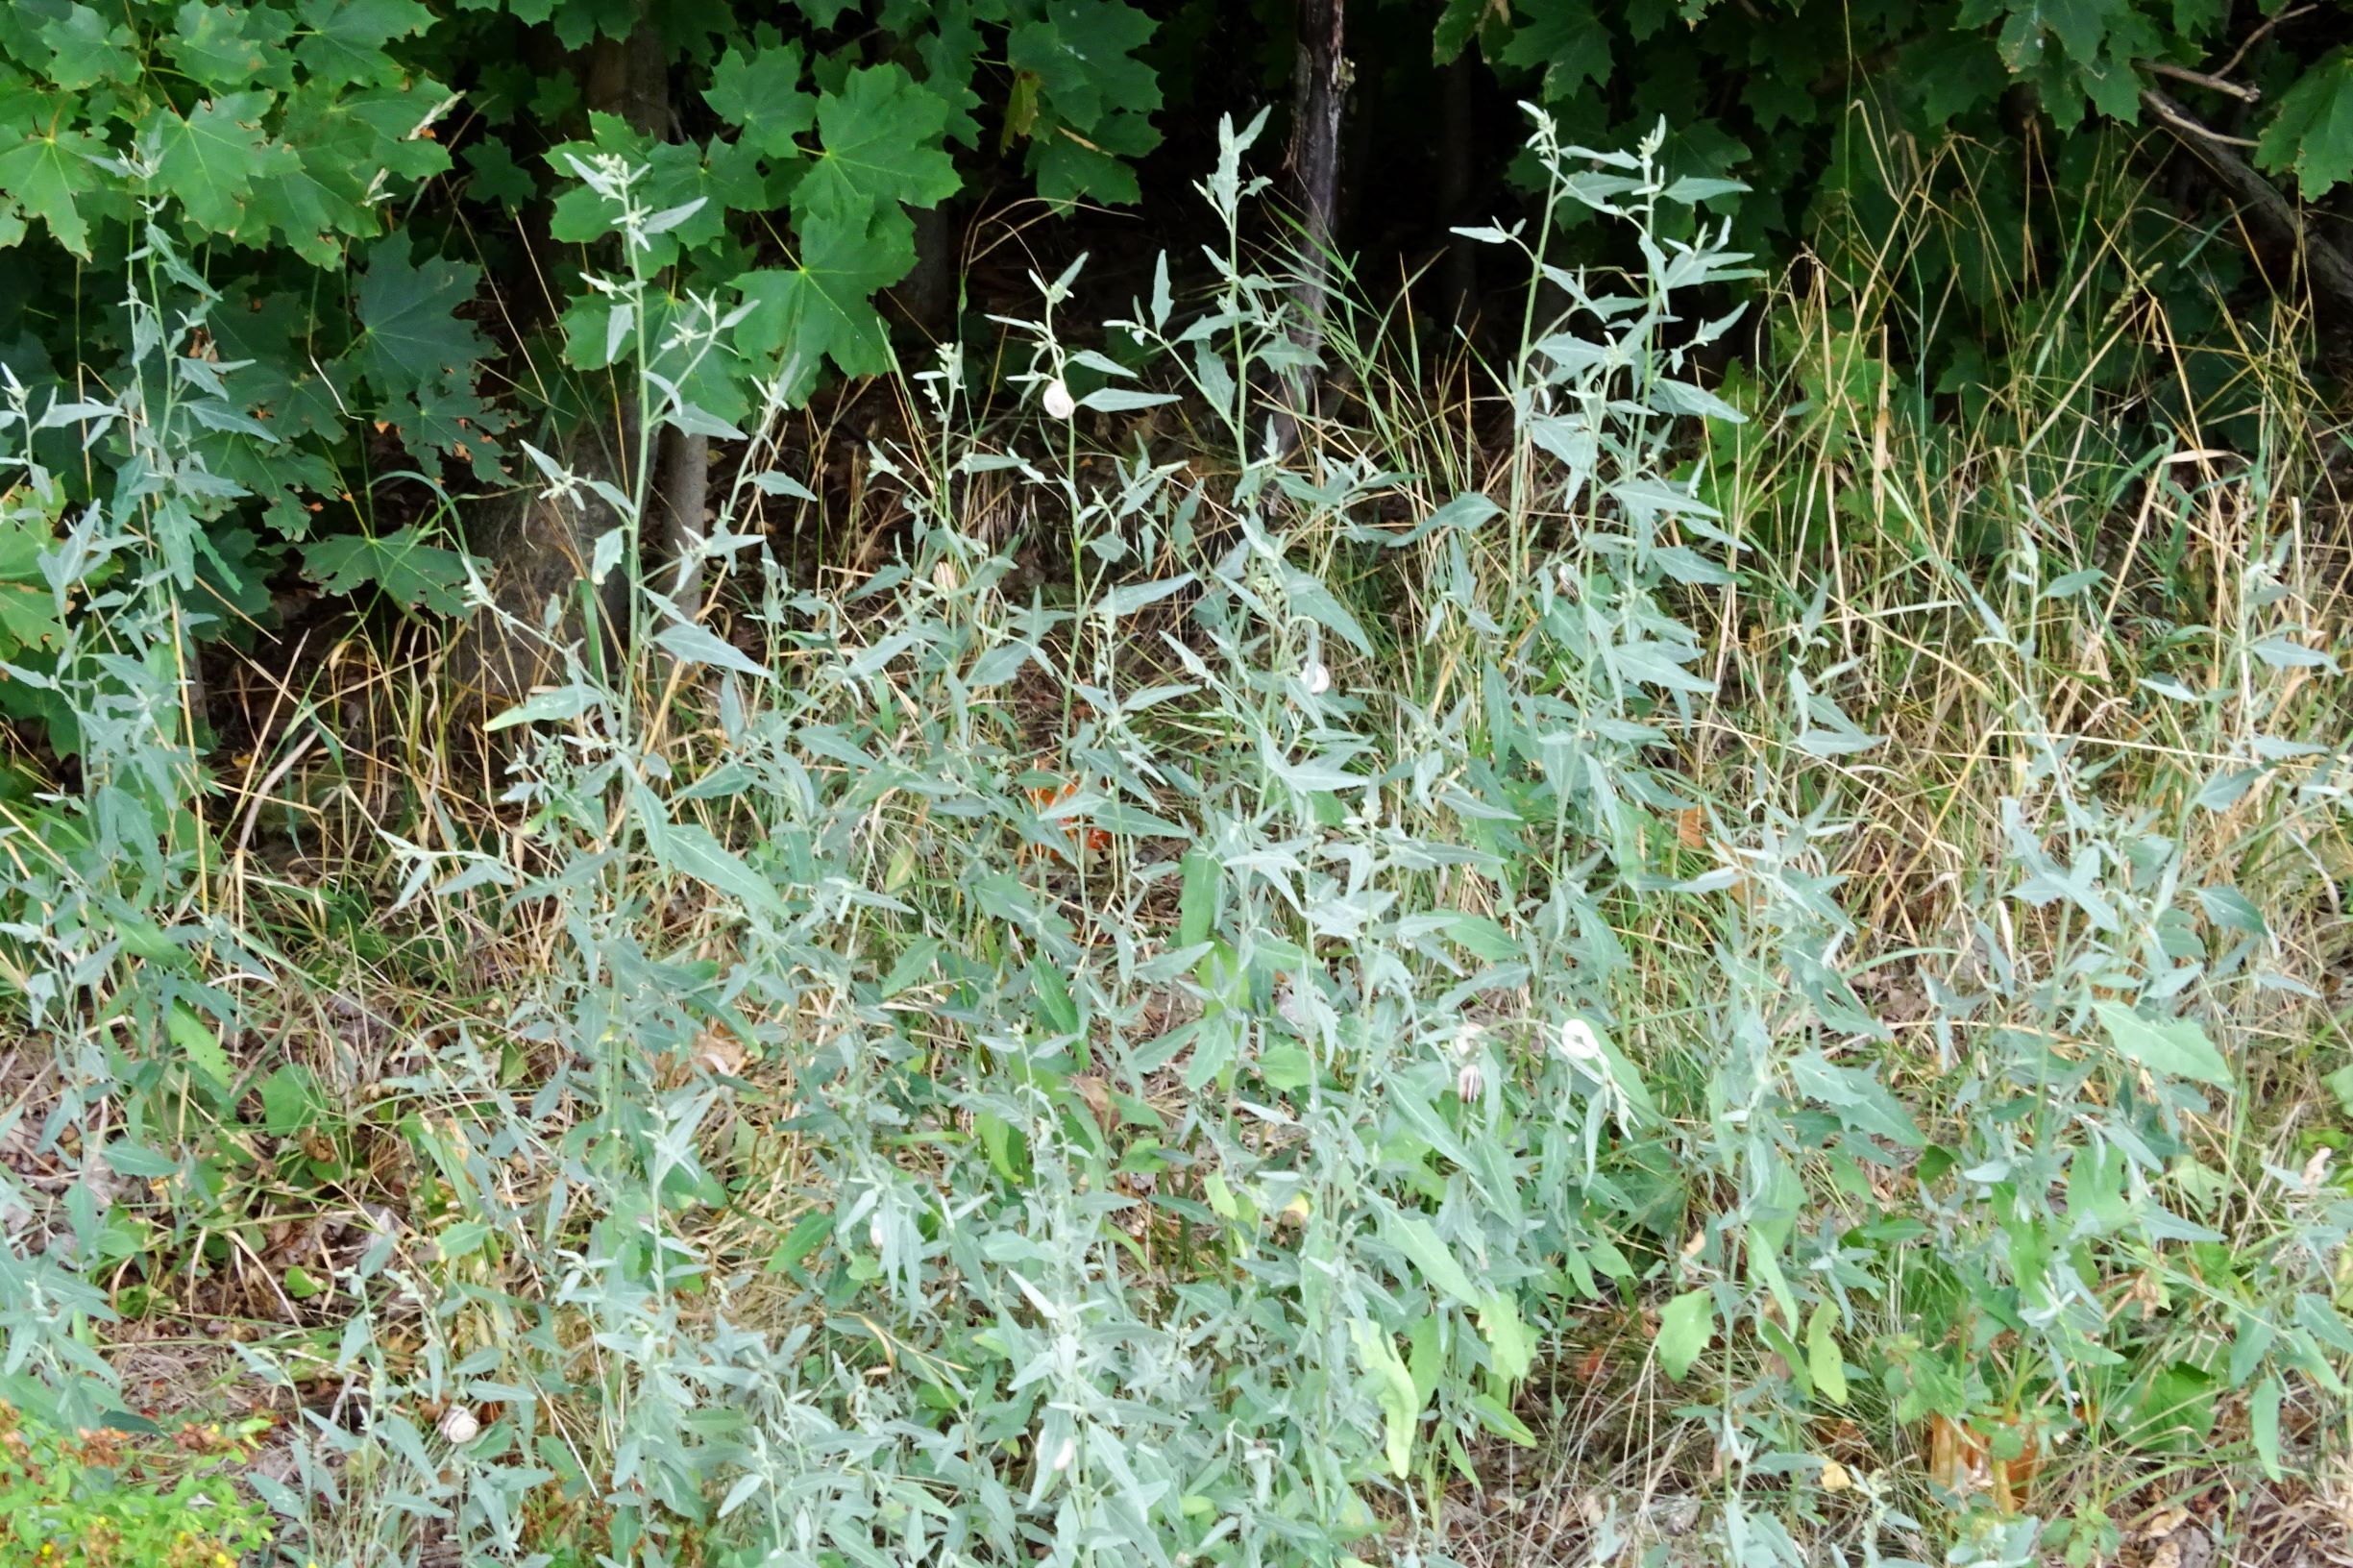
<point>1581,956</point>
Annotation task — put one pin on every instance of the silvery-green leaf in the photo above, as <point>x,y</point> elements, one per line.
<point>2282,653</point>
<point>2177,1048</point>
<point>696,643</point>
<point>773,483</point>
<point>606,554</point>
<point>563,702</point>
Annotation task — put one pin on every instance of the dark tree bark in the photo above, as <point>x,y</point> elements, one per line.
<point>2327,270</point>
<point>926,297</point>
<point>1319,99</point>
<point>630,77</point>
<point>538,547</point>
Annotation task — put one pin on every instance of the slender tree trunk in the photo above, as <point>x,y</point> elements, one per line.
<point>683,492</point>
<point>630,77</point>
<point>1319,97</point>
<point>927,296</point>
<point>541,548</point>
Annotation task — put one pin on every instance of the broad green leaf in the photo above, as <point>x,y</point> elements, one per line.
<point>404,567</point>
<point>882,138</point>
<point>1426,1356</point>
<point>1130,597</point>
<point>1197,897</point>
<point>1084,101</point>
<point>1955,73</point>
<point>462,1239</point>
<point>202,1046</point>
<point>2262,1421</point>
<point>417,352</point>
<point>1392,1391</point>
<point>1685,1325</point>
<point>2311,134</point>
<point>1483,937</point>
<point>800,1240</point>
<point>600,333</point>
<point>1082,52</point>
<point>724,177</point>
<point>399,114</point>
<point>224,48</point>
<point>210,161</point>
<point>1507,1334</point>
<point>563,702</point>
<point>760,94</point>
<point>348,145</point>
<point>347,38</point>
<point>696,643</point>
<point>88,48</point>
<point>2177,1048</point>
<point>1565,40</point>
<point>496,177</point>
<point>824,307</point>
<point>49,175</point>
<point>137,1161</point>
<point>2340,1083</point>
<point>289,1100</point>
<point>1411,1235</point>
<point>685,847</point>
<point>1824,1360</point>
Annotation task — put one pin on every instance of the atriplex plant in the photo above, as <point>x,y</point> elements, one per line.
<point>1178,1068</point>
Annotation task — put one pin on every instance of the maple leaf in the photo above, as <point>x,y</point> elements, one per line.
<point>883,138</point>
<point>401,564</point>
<point>496,177</point>
<point>279,382</point>
<point>85,50</point>
<point>226,47</point>
<point>1067,166</point>
<point>48,175</point>
<point>578,21</point>
<point>397,114</point>
<point>1081,52</point>
<point>823,309</point>
<point>211,160</point>
<point>325,194</point>
<point>724,177</point>
<point>347,38</point>
<point>1082,98</point>
<point>2311,135</point>
<point>760,94</point>
<point>1566,42</point>
<point>708,376</point>
<point>1956,74</point>
<point>416,350</point>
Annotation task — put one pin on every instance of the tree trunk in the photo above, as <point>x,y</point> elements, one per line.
<point>540,549</point>
<point>1319,97</point>
<point>926,297</point>
<point>630,77</point>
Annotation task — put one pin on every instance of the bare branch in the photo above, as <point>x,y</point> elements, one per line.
<point>2328,268</point>
<point>2200,79</point>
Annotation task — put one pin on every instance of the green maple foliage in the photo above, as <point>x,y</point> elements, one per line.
<point>394,187</point>
<point>302,152</point>
<point>2311,135</point>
